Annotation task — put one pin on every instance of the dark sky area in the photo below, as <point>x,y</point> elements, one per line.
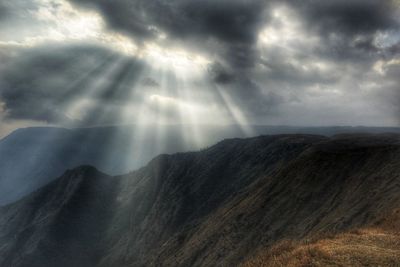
<point>97,62</point>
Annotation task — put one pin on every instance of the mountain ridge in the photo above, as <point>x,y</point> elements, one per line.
<point>217,206</point>
<point>46,152</point>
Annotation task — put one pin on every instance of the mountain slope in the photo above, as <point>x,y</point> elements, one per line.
<point>32,157</point>
<point>45,227</point>
<point>226,205</point>
<point>332,187</point>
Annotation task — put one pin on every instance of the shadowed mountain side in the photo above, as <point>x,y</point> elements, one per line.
<point>220,206</point>
<point>61,224</point>
<point>346,182</point>
<point>32,157</point>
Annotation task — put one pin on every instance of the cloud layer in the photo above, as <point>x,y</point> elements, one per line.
<point>251,61</point>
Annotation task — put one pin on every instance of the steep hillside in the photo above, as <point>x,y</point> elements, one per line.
<point>334,186</point>
<point>234,203</point>
<point>32,157</point>
<point>61,224</point>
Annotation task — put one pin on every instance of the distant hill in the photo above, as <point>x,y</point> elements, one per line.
<point>32,157</point>
<point>284,200</point>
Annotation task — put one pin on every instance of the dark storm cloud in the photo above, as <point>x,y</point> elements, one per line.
<point>228,30</point>
<point>33,81</point>
<point>229,21</point>
<point>34,84</point>
<point>349,32</point>
<point>220,74</point>
<point>349,17</point>
<point>38,84</point>
<point>348,28</point>
<point>228,27</point>
<point>394,49</point>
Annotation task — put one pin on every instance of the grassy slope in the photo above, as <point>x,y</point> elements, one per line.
<point>376,245</point>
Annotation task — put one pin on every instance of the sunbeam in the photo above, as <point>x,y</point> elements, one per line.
<point>236,112</point>
<point>137,114</point>
<point>77,108</point>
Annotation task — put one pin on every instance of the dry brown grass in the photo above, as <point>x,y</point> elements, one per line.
<point>364,247</point>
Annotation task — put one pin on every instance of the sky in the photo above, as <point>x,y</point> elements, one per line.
<point>80,63</point>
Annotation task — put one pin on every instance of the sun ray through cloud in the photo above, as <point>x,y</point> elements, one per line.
<point>76,109</point>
